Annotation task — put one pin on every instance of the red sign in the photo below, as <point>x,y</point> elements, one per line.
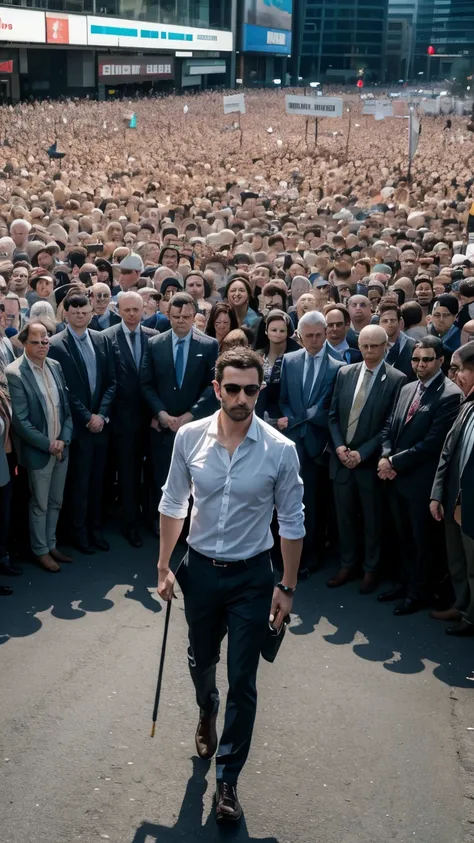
<point>57,30</point>
<point>360,83</point>
<point>6,66</point>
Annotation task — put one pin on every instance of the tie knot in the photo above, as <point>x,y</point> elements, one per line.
<point>180,342</point>
<point>83,338</point>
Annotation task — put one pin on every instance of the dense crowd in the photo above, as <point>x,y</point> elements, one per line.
<point>129,265</point>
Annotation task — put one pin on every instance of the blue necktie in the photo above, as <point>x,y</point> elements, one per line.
<point>308,383</point>
<point>179,363</point>
<point>89,359</point>
<point>135,343</point>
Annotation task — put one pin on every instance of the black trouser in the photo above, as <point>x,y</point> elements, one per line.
<point>5,509</point>
<point>236,598</point>
<point>87,461</point>
<point>130,454</point>
<point>360,493</point>
<point>417,536</point>
<point>161,447</point>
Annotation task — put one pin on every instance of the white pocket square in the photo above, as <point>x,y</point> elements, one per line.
<point>199,355</point>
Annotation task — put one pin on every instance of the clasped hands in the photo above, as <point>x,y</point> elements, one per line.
<point>385,470</point>
<point>56,448</point>
<point>95,423</point>
<point>173,423</point>
<point>349,459</point>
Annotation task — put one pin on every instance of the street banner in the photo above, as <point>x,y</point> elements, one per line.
<point>314,106</point>
<point>233,103</point>
<point>414,130</point>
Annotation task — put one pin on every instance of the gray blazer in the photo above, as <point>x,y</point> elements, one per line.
<point>4,469</point>
<point>29,414</point>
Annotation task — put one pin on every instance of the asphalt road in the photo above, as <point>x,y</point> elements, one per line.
<point>363,731</point>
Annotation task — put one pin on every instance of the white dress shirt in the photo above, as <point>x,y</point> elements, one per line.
<point>363,370</point>
<point>234,497</point>
<point>317,364</point>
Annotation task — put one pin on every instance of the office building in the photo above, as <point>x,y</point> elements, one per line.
<point>264,42</point>
<point>448,26</point>
<point>109,48</point>
<point>336,40</point>
<point>401,33</point>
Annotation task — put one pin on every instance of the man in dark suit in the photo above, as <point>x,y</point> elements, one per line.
<point>452,499</point>
<point>130,416</point>
<point>412,442</point>
<point>42,428</point>
<point>400,347</point>
<point>307,383</point>
<point>103,317</point>
<point>338,326</point>
<point>176,378</point>
<point>87,362</point>
<point>364,396</point>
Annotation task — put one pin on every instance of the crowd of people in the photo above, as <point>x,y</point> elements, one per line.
<point>126,273</point>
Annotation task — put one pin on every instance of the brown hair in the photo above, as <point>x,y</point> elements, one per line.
<point>239,358</point>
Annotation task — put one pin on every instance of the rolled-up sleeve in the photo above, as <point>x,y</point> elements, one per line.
<point>289,495</point>
<point>177,489</point>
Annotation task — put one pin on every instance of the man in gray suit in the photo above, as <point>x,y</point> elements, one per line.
<point>307,383</point>
<point>363,399</point>
<point>42,429</point>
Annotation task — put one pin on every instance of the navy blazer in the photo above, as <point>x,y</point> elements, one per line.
<point>158,379</point>
<point>307,427</point>
<point>63,348</point>
<point>130,413</point>
<point>415,446</point>
<point>451,486</point>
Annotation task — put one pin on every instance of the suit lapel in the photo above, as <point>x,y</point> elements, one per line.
<point>192,362</point>
<point>29,376</point>
<point>321,377</point>
<point>60,388</point>
<point>125,349</point>
<point>99,361</point>
<point>76,355</point>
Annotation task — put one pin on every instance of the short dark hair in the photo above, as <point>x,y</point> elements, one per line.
<point>23,334</point>
<point>386,306</point>
<point>412,314</point>
<point>342,309</point>
<point>180,300</point>
<point>431,342</point>
<point>423,279</point>
<point>239,358</point>
<point>76,300</point>
<point>466,288</point>
<point>466,355</point>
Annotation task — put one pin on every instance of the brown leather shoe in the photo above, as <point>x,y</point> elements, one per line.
<point>206,736</point>
<point>452,614</point>
<point>344,575</point>
<point>369,584</point>
<point>47,563</point>
<point>58,556</point>
<point>228,807</point>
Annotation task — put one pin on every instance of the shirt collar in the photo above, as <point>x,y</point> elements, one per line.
<point>316,356</point>
<point>76,336</point>
<point>343,346</point>
<point>252,432</point>
<point>186,339</point>
<point>426,384</point>
<point>374,371</point>
<point>127,331</point>
<point>32,365</point>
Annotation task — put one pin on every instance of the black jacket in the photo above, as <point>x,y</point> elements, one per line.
<point>63,349</point>
<point>450,487</point>
<point>415,446</point>
<point>130,412</point>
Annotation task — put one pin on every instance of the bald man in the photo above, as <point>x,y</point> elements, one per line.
<point>363,399</point>
<point>130,416</point>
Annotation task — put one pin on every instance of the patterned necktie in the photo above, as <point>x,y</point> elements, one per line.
<point>135,343</point>
<point>415,404</point>
<point>308,381</point>
<point>90,361</point>
<point>358,406</point>
<point>179,363</point>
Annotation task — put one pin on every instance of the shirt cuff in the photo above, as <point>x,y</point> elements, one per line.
<point>173,509</point>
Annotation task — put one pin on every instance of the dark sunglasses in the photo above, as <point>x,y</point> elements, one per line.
<point>234,388</point>
<point>423,359</point>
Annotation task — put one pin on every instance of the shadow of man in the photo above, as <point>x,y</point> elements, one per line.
<point>189,825</point>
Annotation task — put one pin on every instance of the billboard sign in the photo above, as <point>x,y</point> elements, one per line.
<point>314,106</point>
<point>267,26</point>
<point>22,26</point>
<point>116,69</point>
<point>66,29</point>
<point>234,103</point>
<point>115,32</point>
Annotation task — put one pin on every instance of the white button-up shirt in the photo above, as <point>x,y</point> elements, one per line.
<point>234,497</point>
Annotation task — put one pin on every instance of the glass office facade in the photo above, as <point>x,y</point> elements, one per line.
<point>340,37</point>
<point>205,14</point>
<point>448,26</point>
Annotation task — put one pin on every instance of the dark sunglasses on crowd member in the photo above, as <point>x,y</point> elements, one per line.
<point>250,389</point>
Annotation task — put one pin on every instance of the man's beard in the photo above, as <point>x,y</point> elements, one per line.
<point>237,413</point>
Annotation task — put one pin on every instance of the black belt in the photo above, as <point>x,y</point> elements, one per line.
<point>226,563</point>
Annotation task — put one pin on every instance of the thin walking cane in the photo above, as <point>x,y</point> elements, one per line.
<point>162,664</point>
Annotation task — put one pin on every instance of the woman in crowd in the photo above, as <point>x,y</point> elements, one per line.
<point>222,320</point>
<point>238,293</point>
<point>278,330</point>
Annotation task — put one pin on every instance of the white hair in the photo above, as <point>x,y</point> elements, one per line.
<point>23,222</point>
<point>42,308</point>
<point>312,317</point>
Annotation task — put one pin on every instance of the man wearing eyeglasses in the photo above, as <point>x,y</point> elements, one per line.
<point>176,378</point>
<point>42,428</point>
<point>412,443</point>
<point>103,317</point>
<point>239,469</point>
<point>364,396</point>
